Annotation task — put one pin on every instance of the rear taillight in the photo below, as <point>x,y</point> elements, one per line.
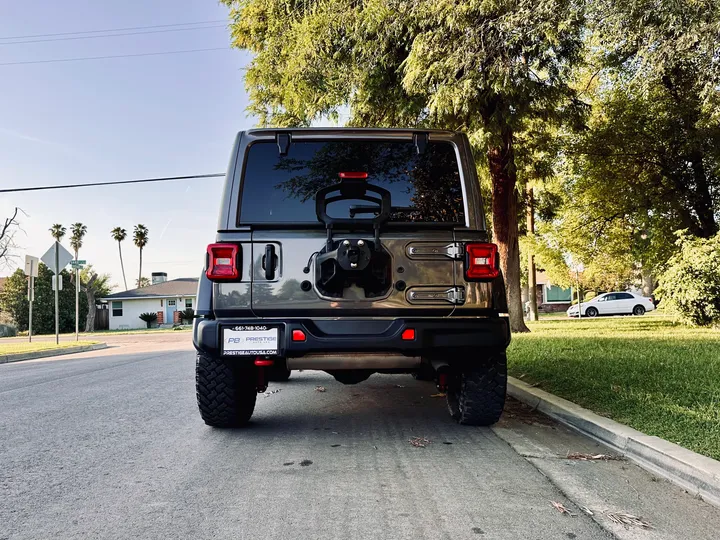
<point>222,262</point>
<point>481,262</point>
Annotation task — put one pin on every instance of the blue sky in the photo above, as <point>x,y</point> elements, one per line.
<point>116,119</point>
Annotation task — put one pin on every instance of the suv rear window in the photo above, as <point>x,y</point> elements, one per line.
<point>424,187</point>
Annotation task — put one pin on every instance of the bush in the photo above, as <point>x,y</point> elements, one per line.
<point>149,318</point>
<point>7,331</point>
<point>690,285</point>
<point>188,315</point>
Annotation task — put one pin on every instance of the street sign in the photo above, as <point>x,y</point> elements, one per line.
<point>64,257</point>
<point>31,266</point>
<point>78,263</point>
<point>59,278</point>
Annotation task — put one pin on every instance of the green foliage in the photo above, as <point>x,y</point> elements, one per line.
<point>690,285</point>
<point>13,300</point>
<point>57,231</point>
<point>142,282</point>
<point>646,372</point>
<point>77,233</point>
<point>148,318</point>
<point>101,285</point>
<point>7,331</point>
<point>187,315</point>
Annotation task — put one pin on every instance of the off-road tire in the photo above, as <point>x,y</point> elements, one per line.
<point>638,310</point>
<point>476,395</point>
<point>279,373</point>
<point>225,394</point>
<point>591,312</point>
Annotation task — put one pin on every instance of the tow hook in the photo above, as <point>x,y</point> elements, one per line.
<point>262,364</point>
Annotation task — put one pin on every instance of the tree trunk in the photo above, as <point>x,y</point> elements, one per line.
<point>532,279</point>
<point>140,275</point>
<point>122,266</point>
<point>90,293</point>
<point>501,160</point>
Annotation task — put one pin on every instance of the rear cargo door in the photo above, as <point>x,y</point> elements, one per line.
<point>278,203</point>
<point>422,277</point>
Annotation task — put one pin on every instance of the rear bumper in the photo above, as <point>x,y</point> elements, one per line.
<point>432,336</point>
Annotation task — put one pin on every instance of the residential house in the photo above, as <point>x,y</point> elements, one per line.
<point>166,298</point>
<point>551,298</point>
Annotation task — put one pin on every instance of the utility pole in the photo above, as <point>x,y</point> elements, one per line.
<point>532,279</point>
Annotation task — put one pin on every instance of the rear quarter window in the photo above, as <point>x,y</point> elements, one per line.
<point>424,188</point>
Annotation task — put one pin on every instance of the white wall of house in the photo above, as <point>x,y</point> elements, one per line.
<point>131,310</point>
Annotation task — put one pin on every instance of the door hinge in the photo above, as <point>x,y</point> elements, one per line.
<point>436,295</point>
<point>421,250</point>
<point>456,295</point>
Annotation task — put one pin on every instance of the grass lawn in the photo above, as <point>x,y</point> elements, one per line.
<point>14,347</point>
<point>646,372</point>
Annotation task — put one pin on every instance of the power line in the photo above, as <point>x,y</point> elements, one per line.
<point>111,56</point>
<point>72,38</point>
<point>111,30</point>
<point>117,182</point>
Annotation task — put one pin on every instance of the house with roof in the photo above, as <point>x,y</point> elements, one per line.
<point>166,298</point>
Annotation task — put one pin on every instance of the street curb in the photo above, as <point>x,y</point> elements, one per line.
<point>6,359</point>
<point>699,475</point>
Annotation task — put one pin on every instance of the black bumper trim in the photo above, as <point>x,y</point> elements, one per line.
<point>327,336</point>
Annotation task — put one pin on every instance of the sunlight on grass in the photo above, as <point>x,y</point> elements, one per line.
<point>647,372</point>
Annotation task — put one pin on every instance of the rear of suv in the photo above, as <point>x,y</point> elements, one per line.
<point>352,251</point>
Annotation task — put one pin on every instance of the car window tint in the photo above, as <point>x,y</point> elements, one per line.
<point>281,189</point>
<point>624,296</point>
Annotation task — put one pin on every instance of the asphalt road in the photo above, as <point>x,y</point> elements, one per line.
<point>109,444</point>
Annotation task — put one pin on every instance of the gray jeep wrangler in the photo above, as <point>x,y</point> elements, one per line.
<point>351,251</point>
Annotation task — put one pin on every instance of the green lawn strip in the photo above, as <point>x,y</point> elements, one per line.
<point>646,372</point>
<point>22,348</point>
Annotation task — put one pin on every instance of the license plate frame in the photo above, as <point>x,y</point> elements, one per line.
<point>266,342</point>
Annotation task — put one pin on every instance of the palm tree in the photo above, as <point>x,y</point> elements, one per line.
<point>78,231</point>
<point>141,238</point>
<point>119,234</point>
<point>57,231</point>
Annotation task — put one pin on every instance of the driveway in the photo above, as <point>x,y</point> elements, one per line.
<point>109,444</point>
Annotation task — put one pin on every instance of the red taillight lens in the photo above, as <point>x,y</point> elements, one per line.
<point>298,335</point>
<point>222,262</point>
<point>408,334</point>
<point>481,261</point>
<point>355,175</point>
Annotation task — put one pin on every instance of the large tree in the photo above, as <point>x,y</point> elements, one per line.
<point>141,236</point>
<point>487,68</point>
<point>13,300</point>
<point>119,234</point>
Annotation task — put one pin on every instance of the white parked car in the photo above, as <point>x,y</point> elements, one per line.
<point>614,303</point>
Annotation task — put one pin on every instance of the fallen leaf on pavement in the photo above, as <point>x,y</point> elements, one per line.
<point>420,442</point>
<point>438,395</point>
<point>319,388</point>
<point>628,520</point>
<point>271,392</point>
<point>592,457</point>
<point>560,507</point>
<point>587,510</point>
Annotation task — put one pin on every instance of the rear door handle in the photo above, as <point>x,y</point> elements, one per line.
<point>269,261</point>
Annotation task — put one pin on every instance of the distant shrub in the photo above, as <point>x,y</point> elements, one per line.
<point>7,331</point>
<point>690,285</point>
<point>188,315</point>
<point>149,318</point>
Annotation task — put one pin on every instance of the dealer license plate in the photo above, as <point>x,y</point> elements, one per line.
<point>250,340</point>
